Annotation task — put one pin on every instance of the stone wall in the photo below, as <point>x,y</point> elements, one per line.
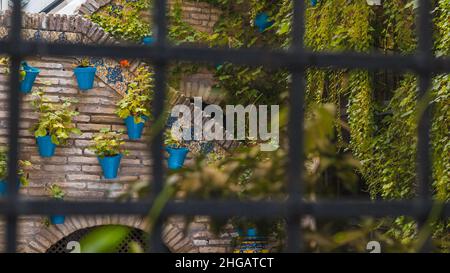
<point>74,167</point>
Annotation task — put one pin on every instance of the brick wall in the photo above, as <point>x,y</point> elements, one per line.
<point>74,167</point>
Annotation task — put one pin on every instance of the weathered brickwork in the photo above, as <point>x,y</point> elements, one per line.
<point>74,167</point>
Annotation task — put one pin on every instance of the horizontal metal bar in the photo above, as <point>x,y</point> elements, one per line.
<point>272,209</point>
<point>247,56</point>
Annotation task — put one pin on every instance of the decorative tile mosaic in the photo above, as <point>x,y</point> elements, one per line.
<point>252,245</point>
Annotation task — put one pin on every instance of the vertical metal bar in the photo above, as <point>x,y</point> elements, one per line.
<point>423,164</point>
<point>295,135</point>
<point>160,26</point>
<point>13,124</point>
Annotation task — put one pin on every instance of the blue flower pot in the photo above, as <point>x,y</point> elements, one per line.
<point>57,219</point>
<point>313,3</point>
<point>46,146</point>
<point>110,165</point>
<point>148,40</point>
<point>3,187</point>
<point>85,77</point>
<point>134,130</point>
<point>251,232</point>
<point>262,21</point>
<point>176,157</point>
<point>27,83</point>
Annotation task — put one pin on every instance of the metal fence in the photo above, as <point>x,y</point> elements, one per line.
<point>296,60</point>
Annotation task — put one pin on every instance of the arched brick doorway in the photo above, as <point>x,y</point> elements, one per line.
<point>134,235</point>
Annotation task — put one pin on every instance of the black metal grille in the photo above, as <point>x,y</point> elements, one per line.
<point>134,235</point>
<point>297,59</point>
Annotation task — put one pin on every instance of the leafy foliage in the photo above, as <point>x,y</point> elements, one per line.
<point>4,167</point>
<point>137,100</point>
<point>55,119</point>
<point>5,62</point>
<point>250,174</point>
<point>108,143</point>
<point>382,132</point>
<point>173,140</point>
<point>83,62</point>
<point>124,19</point>
<point>55,191</point>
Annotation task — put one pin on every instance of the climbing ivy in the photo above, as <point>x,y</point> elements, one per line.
<point>382,132</point>
<point>124,19</point>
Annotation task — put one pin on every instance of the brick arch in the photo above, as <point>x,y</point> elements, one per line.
<point>174,235</point>
<point>47,236</point>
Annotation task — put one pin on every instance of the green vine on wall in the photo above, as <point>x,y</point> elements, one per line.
<point>382,132</point>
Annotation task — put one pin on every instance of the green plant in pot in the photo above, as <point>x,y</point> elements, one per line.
<point>5,62</point>
<point>85,74</point>
<point>108,148</point>
<point>58,194</point>
<point>177,150</point>
<point>23,180</point>
<point>55,124</point>
<point>134,107</point>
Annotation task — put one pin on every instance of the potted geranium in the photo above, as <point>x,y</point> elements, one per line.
<point>108,148</point>
<point>85,74</point>
<point>23,181</point>
<point>58,194</point>
<point>177,150</point>
<point>54,125</point>
<point>134,106</point>
<point>28,76</point>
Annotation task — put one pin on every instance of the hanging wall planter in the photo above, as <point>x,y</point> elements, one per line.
<point>251,232</point>
<point>176,148</point>
<point>176,158</point>
<point>108,148</point>
<point>30,76</point>
<point>57,194</point>
<point>134,129</point>
<point>46,146</point>
<point>22,181</point>
<point>54,126</point>
<point>110,165</point>
<point>262,21</point>
<point>148,40</point>
<point>85,75</point>
<point>3,187</point>
<point>134,108</point>
<point>57,219</point>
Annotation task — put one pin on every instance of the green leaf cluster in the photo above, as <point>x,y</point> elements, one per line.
<point>124,19</point>
<point>108,143</point>
<point>55,191</point>
<point>55,119</point>
<point>137,100</point>
<point>173,141</point>
<point>20,171</point>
